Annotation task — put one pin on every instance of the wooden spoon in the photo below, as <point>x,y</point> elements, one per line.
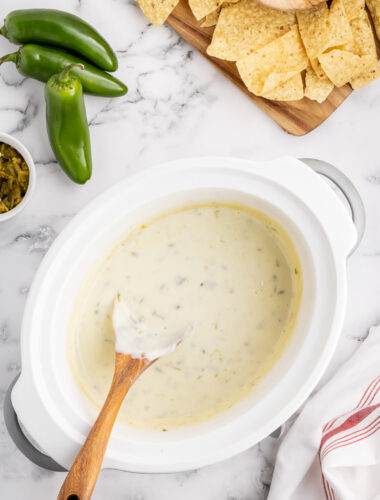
<point>80,481</point>
<point>291,4</point>
<point>130,333</point>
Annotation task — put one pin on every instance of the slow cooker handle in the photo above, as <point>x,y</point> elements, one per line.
<point>347,189</point>
<point>20,440</point>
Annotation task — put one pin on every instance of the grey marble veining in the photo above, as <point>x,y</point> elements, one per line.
<point>177,105</point>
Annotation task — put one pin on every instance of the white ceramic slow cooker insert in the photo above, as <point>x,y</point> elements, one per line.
<point>54,411</point>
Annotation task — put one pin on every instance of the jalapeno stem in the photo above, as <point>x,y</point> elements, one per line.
<point>9,58</point>
<point>64,74</point>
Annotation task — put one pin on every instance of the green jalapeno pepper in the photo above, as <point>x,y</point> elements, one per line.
<point>40,63</point>
<point>67,125</point>
<point>59,29</point>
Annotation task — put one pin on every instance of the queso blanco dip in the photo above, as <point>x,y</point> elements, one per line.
<point>230,271</point>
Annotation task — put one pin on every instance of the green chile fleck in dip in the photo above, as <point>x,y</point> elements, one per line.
<point>231,270</point>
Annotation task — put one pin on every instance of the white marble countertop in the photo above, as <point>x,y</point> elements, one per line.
<point>177,106</point>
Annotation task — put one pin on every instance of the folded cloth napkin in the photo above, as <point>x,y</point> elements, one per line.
<point>332,450</point>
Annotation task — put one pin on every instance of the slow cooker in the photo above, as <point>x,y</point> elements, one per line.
<point>45,403</point>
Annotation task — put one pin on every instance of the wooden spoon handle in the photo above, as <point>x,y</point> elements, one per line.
<point>80,481</point>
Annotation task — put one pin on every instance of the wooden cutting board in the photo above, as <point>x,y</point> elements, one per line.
<point>295,117</point>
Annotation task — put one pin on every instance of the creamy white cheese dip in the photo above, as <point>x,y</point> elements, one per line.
<point>231,271</point>
<point>133,336</point>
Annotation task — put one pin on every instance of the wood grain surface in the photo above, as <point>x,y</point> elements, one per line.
<point>295,117</point>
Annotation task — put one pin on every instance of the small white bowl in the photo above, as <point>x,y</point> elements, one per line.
<point>11,141</point>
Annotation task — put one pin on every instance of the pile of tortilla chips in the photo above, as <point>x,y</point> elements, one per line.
<point>287,55</point>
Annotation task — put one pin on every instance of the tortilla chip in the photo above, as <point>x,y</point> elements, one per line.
<point>316,65</point>
<point>317,89</point>
<point>374,9</point>
<point>291,90</point>
<point>201,8</point>
<point>340,31</point>
<point>371,73</point>
<point>157,11</point>
<point>211,19</point>
<point>363,44</point>
<point>314,30</point>
<point>363,41</point>
<point>322,28</point>
<point>274,80</point>
<point>353,8</point>
<point>246,27</point>
<point>342,66</point>
<point>285,56</point>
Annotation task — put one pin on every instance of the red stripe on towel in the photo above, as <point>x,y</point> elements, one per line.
<point>350,422</point>
<point>370,392</point>
<point>354,437</point>
<point>353,420</point>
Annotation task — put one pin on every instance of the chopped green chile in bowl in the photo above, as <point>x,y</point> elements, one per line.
<point>17,176</point>
<point>14,177</point>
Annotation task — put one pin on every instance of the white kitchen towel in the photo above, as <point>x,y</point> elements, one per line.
<point>332,450</point>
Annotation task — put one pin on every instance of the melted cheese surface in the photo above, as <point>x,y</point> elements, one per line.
<point>230,270</point>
